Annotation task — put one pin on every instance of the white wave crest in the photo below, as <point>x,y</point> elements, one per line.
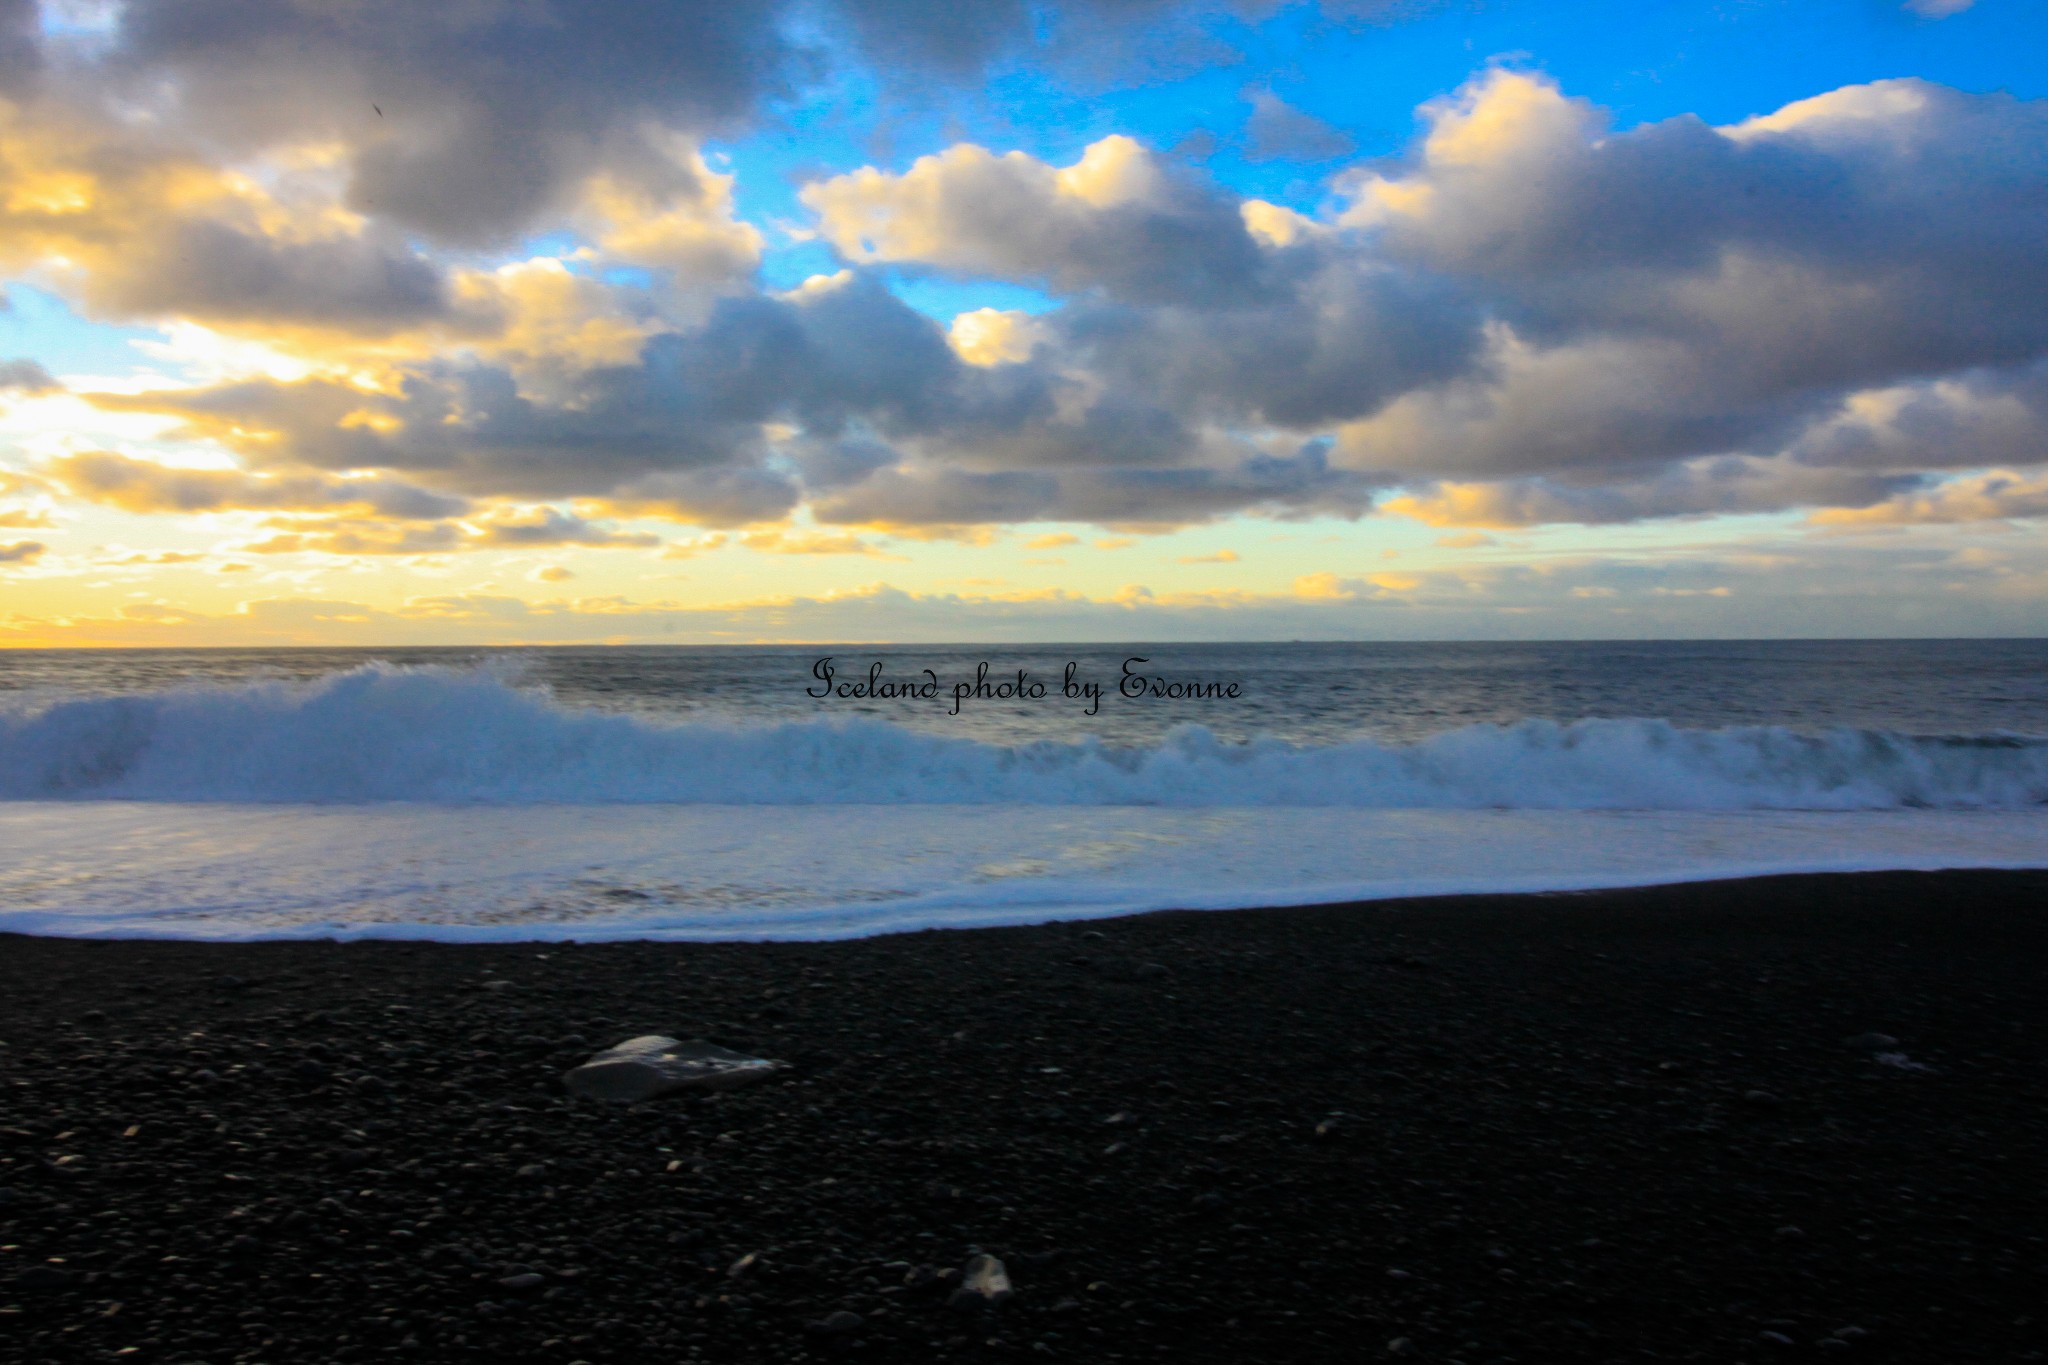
<point>383,733</point>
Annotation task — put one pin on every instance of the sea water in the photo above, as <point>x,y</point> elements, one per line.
<point>759,792</point>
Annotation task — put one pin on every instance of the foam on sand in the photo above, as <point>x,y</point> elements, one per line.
<point>215,870</point>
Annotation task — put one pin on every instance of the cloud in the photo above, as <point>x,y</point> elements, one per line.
<point>1715,486</point>
<point>1277,131</point>
<point>1998,496</point>
<point>141,486</point>
<point>994,336</point>
<point>1821,245</point>
<point>1120,219</point>
<point>542,528</point>
<point>1219,557</point>
<point>26,376</point>
<point>341,537</point>
<point>468,124</point>
<point>550,526</point>
<point>1527,317</point>
<point>691,548</point>
<point>138,224</point>
<point>140,559</point>
<point>461,122</point>
<point>1812,306</point>
<point>806,542</point>
<point>22,552</point>
<point>1937,9</point>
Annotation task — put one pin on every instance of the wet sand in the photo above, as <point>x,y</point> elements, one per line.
<point>1612,1126</point>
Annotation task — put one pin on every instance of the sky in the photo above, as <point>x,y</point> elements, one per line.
<point>523,321</point>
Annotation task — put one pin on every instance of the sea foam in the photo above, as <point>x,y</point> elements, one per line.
<point>430,734</point>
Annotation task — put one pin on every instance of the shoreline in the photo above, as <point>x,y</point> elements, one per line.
<point>1631,1126</point>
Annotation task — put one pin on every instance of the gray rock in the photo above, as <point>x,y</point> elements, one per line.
<point>523,1281</point>
<point>983,1281</point>
<point>641,1068</point>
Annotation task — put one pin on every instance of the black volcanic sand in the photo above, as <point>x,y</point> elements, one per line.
<point>1620,1126</point>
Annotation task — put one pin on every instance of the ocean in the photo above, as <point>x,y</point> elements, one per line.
<point>829,791</point>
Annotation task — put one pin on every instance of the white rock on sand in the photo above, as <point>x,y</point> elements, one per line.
<point>641,1068</point>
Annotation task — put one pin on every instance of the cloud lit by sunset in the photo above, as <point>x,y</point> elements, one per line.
<point>766,321</point>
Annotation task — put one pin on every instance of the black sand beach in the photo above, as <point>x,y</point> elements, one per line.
<point>1618,1126</point>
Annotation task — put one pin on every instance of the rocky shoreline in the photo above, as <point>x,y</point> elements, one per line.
<point>1731,1122</point>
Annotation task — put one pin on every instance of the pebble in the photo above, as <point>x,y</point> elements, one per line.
<point>43,1277</point>
<point>839,1324</point>
<point>524,1281</point>
<point>1761,1099</point>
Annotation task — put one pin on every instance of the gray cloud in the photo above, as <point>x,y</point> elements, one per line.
<point>1727,485</point>
<point>228,275</point>
<point>468,120</point>
<point>22,552</point>
<point>1122,220</point>
<point>1527,318</point>
<point>141,486</point>
<point>463,120</point>
<point>1865,234</point>
<point>26,376</point>
<point>550,526</point>
<point>1277,131</point>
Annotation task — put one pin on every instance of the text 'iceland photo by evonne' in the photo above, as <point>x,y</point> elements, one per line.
<point>1241,681</point>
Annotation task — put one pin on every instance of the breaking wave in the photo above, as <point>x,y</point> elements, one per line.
<point>383,733</point>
